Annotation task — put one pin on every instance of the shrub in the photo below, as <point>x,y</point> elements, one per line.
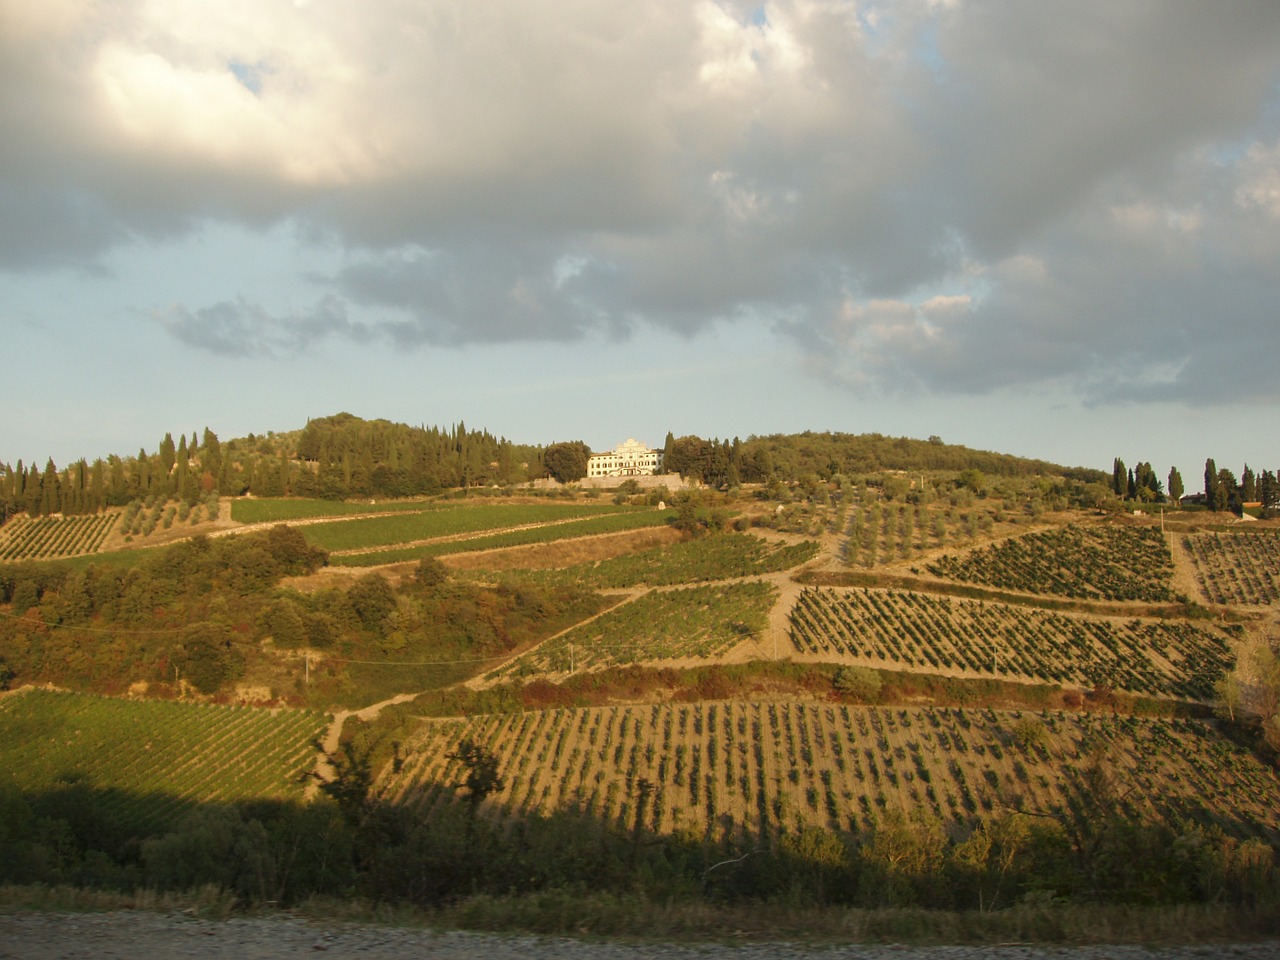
<point>859,683</point>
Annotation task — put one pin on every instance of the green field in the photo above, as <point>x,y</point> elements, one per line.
<point>427,525</point>
<point>245,510</point>
<point>590,526</point>
<point>153,760</point>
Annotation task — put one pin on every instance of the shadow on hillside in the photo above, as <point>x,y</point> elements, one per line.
<point>279,853</point>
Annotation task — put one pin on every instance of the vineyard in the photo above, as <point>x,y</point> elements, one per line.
<point>872,527</point>
<point>693,622</point>
<point>1236,567</point>
<point>48,538</point>
<point>563,530</point>
<point>757,769</point>
<point>899,629</point>
<point>406,527</point>
<point>270,510</point>
<point>154,759</point>
<point>1094,562</point>
<point>718,557</point>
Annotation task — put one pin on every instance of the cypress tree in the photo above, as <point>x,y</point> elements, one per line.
<point>1175,485</point>
<point>31,492</point>
<point>211,458</point>
<point>1118,486</point>
<point>167,454</point>
<point>1248,485</point>
<point>50,494</point>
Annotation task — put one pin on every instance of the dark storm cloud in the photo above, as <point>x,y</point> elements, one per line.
<point>241,329</point>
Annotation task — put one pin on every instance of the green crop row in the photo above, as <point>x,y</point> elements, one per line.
<point>277,510</point>
<point>26,538</point>
<point>917,630</point>
<point>1095,562</point>
<point>153,758</point>
<point>427,525</point>
<point>591,526</point>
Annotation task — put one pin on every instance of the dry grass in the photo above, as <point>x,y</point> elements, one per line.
<point>563,553</point>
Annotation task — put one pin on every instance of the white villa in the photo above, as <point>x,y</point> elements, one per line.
<point>628,459</point>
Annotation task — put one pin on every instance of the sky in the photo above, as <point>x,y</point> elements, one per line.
<point>1049,229</point>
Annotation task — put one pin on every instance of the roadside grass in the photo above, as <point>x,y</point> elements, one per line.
<point>571,913</point>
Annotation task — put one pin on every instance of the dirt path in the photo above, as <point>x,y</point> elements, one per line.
<point>333,738</point>
<point>128,935</point>
<point>491,676</point>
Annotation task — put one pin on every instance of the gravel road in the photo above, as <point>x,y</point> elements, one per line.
<point>143,936</point>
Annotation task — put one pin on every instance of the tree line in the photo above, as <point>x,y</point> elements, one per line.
<point>1222,491</point>
<point>343,456</point>
<point>337,457</point>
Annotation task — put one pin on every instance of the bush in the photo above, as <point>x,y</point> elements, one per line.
<point>862,684</point>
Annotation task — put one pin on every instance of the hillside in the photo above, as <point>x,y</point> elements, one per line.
<point>956,688</point>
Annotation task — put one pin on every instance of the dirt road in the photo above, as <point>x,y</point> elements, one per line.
<point>130,935</point>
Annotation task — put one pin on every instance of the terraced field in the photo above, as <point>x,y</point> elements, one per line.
<point>1236,568</point>
<point>552,532</point>
<point>755,769</point>
<point>666,625</point>
<point>909,630</point>
<point>48,538</point>
<point>1096,562</point>
<point>406,527</point>
<point>154,758</point>
<point>723,556</point>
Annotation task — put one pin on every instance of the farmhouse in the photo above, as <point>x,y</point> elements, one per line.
<point>630,458</point>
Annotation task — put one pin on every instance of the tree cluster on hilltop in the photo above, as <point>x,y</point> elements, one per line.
<point>333,457</point>
<point>1222,492</point>
<point>828,454</point>
<point>791,457</point>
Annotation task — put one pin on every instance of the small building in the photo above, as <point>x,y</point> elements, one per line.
<point>631,458</point>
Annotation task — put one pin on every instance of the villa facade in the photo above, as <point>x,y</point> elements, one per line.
<point>628,459</point>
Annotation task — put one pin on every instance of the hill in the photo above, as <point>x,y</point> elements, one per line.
<point>944,685</point>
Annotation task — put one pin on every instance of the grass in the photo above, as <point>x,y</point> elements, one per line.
<point>564,913</point>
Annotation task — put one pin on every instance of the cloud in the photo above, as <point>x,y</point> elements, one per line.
<point>954,197</point>
<point>237,328</point>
